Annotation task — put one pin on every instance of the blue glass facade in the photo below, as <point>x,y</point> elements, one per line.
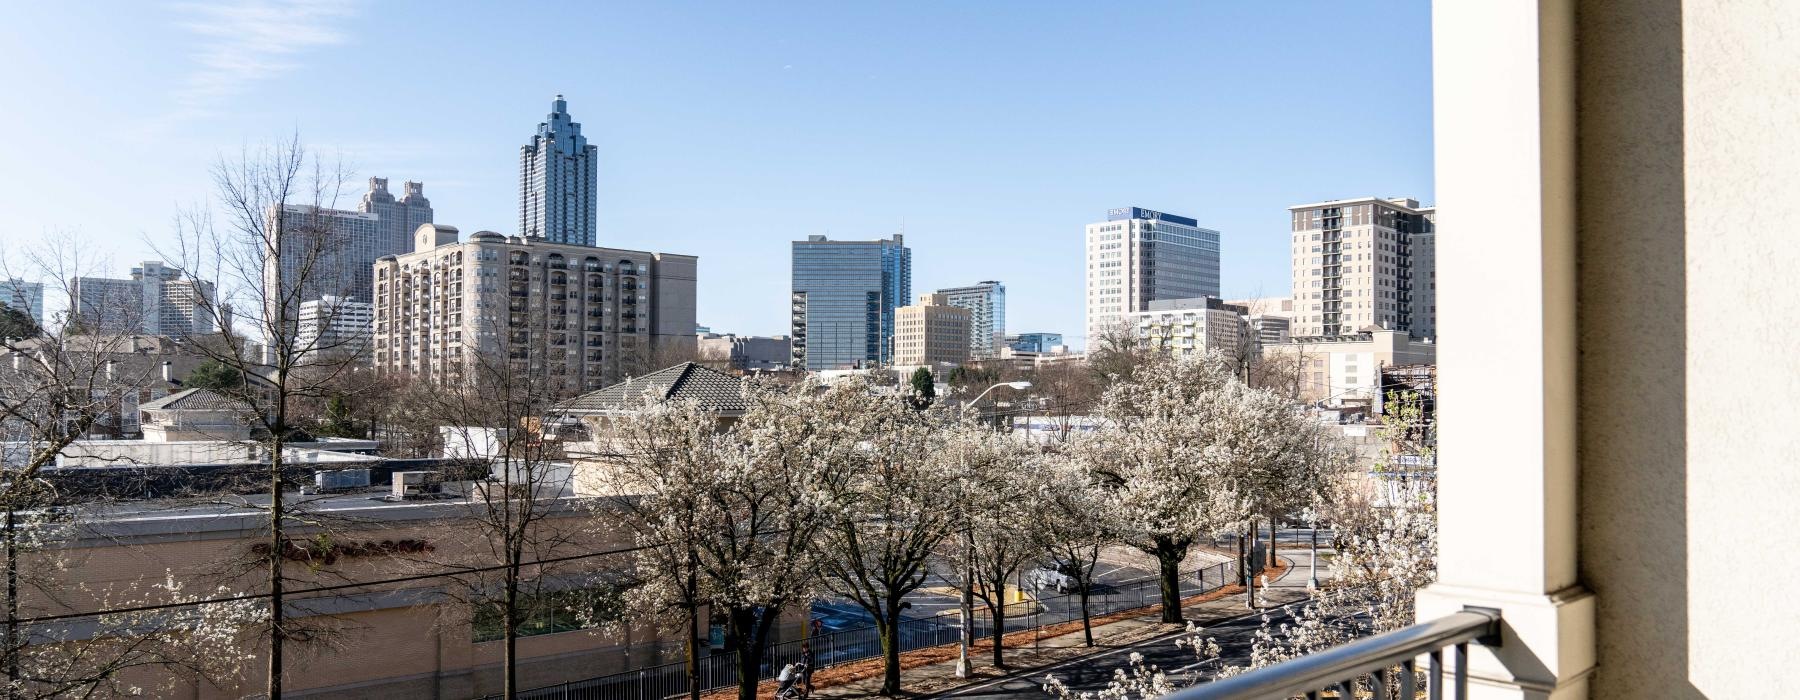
<point>1034,342</point>
<point>557,173</point>
<point>843,301</point>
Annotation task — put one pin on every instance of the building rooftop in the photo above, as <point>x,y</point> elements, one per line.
<point>715,390</point>
<point>1411,205</point>
<point>193,400</point>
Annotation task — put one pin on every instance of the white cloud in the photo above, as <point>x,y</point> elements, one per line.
<point>237,44</point>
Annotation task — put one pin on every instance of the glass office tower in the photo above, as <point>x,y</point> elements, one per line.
<point>557,172</point>
<point>844,296</point>
<point>986,302</point>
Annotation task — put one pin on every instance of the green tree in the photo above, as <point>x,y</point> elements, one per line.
<point>924,388</point>
<point>15,323</point>
<point>338,421</point>
<point>214,375</point>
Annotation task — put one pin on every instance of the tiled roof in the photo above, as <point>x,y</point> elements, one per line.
<point>715,390</point>
<point>194,400</point>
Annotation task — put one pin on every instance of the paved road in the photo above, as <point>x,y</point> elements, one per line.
<point>1094,673</point>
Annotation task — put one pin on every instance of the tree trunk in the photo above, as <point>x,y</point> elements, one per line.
<point>890,646</point>
<point>1087,621</point>
<point>1000,634</point>
<point>277,553</point>
<point>693,651</point>
<point>1272,560</point>
<point>742,633</point>
<point>1168,562</point>
<point>511,629</point>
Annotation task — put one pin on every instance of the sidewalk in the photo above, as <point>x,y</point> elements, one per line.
<point>934,670</point>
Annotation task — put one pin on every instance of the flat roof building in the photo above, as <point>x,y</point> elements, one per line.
<point>931,333</point>
<point>1137,256</point>
<point>843,298</point>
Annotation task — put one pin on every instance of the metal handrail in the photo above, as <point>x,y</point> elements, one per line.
<point>1340,667</point>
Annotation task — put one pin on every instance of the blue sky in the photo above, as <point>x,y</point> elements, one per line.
<point>990,131</point>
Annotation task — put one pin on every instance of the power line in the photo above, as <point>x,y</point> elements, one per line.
<point>335,587</point>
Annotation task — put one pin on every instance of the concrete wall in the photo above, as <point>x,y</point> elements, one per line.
<point>1690,123</point>
<point>1635,531</point>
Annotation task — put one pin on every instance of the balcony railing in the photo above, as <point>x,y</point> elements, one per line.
<point>1347,671</point>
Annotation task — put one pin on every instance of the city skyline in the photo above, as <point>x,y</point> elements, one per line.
<point>813,122</point>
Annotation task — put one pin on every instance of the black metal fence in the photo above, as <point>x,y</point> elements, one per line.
<point>845,646</point>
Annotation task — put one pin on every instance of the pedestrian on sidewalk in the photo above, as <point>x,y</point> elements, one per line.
<point>806,666</point>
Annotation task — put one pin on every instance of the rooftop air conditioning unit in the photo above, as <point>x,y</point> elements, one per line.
<point>341,479</point>
<point>414,484</point>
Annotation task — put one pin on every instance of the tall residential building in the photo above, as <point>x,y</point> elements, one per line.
<point>843,299</point>
<point>336,248</point>
<point>324,252</point>
<point>1138,256</point>
<point>986,302</point>
<point>932,332</point>
<point>157,300</point>
<point>336,325</point>
<point>399,217</point>
<point>27,297</point>
<point>1424,293</point>
<point>1034,342</point>
<point>557,171</point>
<point>1355,267</point>
<point>1190,326</point>
<point>578,318</point>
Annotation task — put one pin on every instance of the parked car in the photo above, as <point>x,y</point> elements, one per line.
<point>1059,576</point>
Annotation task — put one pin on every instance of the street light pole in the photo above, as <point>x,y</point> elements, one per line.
<point>964,667</point>
<point>1313,561</point>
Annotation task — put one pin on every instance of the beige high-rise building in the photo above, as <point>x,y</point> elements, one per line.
<point>1190,326</point>
<point>931,332</point>
<point>579,317</point>
<point>1357,265</point>
<point>1137,256</point>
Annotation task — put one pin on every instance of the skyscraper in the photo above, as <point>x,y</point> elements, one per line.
<point>1138,256</point>
<point>22,296</point>
<point>1356,267</point>
<point>843,300</point>
<point>399,217</point>
<point>986,302</point>
<point>157,300</point>
<point>337,248</point>
<point>557,171</point>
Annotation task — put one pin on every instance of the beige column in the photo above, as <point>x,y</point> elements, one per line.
<point>1505,133</point>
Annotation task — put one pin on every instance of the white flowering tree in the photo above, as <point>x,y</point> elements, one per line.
<point>997,498</point>
<point>1072,521</point>
<point>774,488</point>
<point>659,460</point>
<point>878,548</point>
<point>1155,456</point>
<point>1386,550</point>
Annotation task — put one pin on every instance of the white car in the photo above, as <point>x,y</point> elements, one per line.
<point>1055,577</point>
